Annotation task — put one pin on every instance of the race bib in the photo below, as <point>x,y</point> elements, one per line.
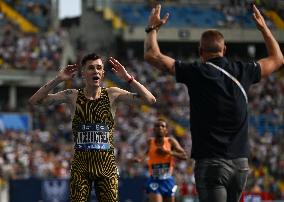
<point>161,171</point>
<point>93,136</point>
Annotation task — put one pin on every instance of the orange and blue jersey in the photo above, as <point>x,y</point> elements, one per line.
<point>160,166</point>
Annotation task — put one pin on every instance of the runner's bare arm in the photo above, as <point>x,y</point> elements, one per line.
<point>42,96</point>
<point>64,96</point>
<point>124,96</point>
<point>177,150</point>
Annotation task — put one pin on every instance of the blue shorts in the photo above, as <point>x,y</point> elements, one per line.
<point>165,187</point>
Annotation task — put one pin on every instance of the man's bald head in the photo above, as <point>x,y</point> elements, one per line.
<point>212,41</point>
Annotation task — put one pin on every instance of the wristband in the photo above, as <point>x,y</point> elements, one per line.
<point>130,79</point>
<point>151,28</point>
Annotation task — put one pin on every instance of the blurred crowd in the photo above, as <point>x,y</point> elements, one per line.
<point>238,14</point>
<point>39,52</point>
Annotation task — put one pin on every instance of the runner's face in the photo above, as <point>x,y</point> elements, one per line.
<point>93,72</point>
<point>160,128</point>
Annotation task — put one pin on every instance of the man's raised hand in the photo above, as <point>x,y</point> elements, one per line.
<point>155,19</point>
<point>68,72</point>
<point>258,18</point>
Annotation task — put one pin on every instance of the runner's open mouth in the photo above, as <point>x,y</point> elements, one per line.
<point>95,78</point>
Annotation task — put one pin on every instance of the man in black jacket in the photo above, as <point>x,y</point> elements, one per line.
<point>218,105</point>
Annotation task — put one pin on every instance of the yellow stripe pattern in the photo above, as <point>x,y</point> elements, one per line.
<point>93,166</point>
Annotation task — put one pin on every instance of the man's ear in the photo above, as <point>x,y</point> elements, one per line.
<point>224,50</point>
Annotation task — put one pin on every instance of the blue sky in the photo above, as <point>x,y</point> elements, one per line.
<point>69,8</point>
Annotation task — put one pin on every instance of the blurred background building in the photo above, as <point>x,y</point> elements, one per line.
<point>36,145</point>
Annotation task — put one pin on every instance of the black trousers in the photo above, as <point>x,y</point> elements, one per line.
<point>221,180</point>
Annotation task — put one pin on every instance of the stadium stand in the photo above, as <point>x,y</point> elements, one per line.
<point>192,16</point>
<point>36,12</point>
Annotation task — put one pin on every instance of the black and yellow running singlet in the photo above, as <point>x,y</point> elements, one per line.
<point>93,123</point>
<point>94,159</point>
